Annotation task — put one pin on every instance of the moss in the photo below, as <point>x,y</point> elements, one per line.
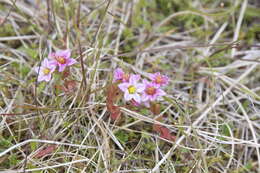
<point>122,136</point>
<point>251,34</point>
<point>7,30</point>
<point>219,60</point>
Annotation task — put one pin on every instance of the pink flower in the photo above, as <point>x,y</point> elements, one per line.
<point>120,75</point>
<point>45,70</point>
<point>151,92</point>
<point>62,59</point>
<point>132,88</point>
<point>158,79</point>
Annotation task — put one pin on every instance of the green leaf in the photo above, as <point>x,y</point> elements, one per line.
<point>13,160</point>
<point>25,70</point>
<point>33,146</point>
<point>122,136</point>
<point>41,86</point>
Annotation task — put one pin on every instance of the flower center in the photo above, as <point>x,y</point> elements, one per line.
<point>158,79</point>
<point>131,89</point>
<point>150,90</point>
<point>60,59</point>
<point>46,71</point>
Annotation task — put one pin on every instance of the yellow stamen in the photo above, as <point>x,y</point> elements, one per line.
<point>46,71</point>
<point>60,59</point>
<point>131,89</point>
<point>150,90</point>
<point>158,79</point>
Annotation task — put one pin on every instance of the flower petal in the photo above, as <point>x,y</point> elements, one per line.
<point>118,74</point>
<point>45,62</point>
<point>51,55</point>
<point>140,87</point>
<point>134,78</point>
<point>152,97</point>
<point>66,53</point>
<point>52,68</point>
<point>161,92</point>
<point>63,53</point>
<point>62,67</point>
<point>137,98</point>
<point>123,86</point>
<point>152,76</point>
<point>41,78</point>
<point>147,104</point>
<point>48,77</point>
<point>53,63</point>
<point>37,69</point>
<point>71,61</point>
<point>145,82</point>
<point>128,96</point>
<point>145,97</point>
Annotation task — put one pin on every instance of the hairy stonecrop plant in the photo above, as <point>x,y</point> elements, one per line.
<point>144,92</point>
<point>59,59</point>
<point>139,93</point>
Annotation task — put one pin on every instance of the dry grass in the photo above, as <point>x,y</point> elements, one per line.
<point>209,49</point>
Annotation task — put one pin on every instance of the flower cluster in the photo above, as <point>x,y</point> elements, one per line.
<point>140,92</point>
<point>60,59</point>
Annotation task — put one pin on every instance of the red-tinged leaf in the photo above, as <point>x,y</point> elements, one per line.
<point>65,73</point>
<point>112,93</point>
<point>69,86</point>
<point>164,132</point>
<point>45,151</point>
<point>156,127</point>
<point>58,87</point>
<point>134,103</point>
<point>13,114</point>
<point>115,115</point>
<point>1,20</point>
<point>155,108</point>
